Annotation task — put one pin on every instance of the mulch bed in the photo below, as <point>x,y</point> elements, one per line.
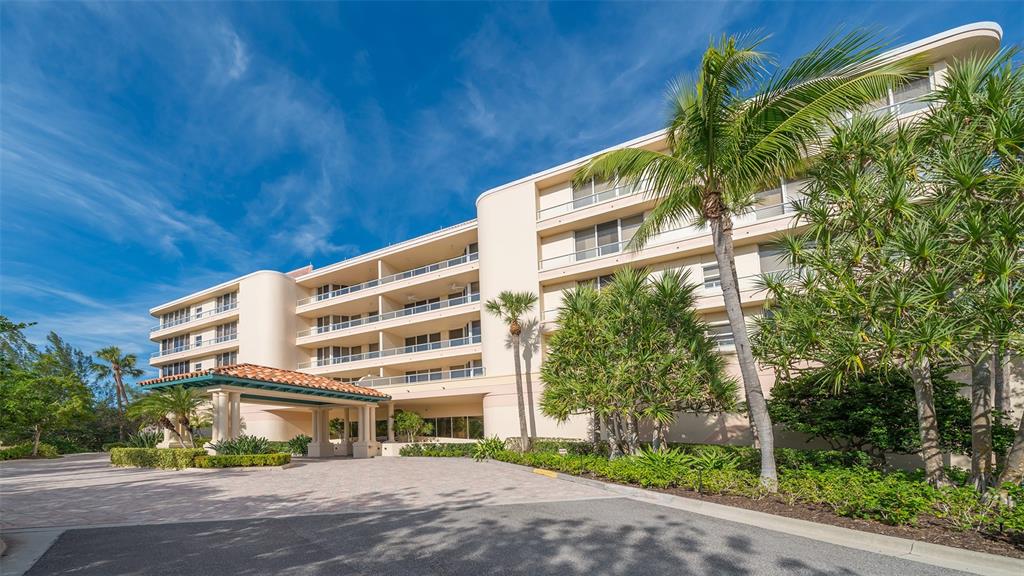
<point>929,529</point>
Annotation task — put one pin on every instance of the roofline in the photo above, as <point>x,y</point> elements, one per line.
<point>209,291</point>
<point>213,379</point>
<point>917,45</point>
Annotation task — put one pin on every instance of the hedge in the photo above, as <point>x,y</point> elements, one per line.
<point>233,460</point>
<point>24,450</point>
<point>170,458</point>
<point>438,450</point>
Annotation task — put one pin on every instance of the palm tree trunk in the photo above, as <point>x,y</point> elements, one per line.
<point>614,435</point>
<point>1013,471</point>
<point>632,435</point>
<point>121,401</point>
<point>529,398</point>
<point>524,437</point>
<point>981,422</point>
<point>928,423</point>
<point>721,234</point>
<point>1000,390</point>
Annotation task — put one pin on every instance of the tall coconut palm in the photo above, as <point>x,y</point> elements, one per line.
<point>510,307</point>
<point>119,365</point>
<point>737,129</point>
<point>183,404</point>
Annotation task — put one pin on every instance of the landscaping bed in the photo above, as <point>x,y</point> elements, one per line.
<point>24,451</point>
<point>179,458</point>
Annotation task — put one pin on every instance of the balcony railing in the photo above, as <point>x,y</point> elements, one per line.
<point>195,345</point>
<point>686,232</point>
<point>391,315</point>
<point>199,316</point>
<point>389,279</point>
<point>444,344</point>
<point>583,202</point>
<point>418,378</point>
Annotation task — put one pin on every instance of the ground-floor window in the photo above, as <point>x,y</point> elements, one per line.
<point>457,427</point>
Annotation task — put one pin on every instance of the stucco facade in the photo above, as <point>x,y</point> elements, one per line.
<point>408,319</point>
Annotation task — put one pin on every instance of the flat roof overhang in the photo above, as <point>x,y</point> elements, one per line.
<point>288,393</point>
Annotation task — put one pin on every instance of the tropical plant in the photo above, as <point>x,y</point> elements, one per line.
<point>411,424</point>
<point>119,366</point>
<point>635,351</point>
<point>488,448</point>
<point>299,445</point>
<point>725,146</point>
<point>185,405</point>
<point>143,439</point>
<point>510,308</point>
<point>35,401</point>
<point>242,444</point>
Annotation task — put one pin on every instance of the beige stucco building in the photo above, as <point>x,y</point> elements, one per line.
<point>408,320</point>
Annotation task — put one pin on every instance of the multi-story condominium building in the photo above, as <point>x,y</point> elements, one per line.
<point>408,319</point>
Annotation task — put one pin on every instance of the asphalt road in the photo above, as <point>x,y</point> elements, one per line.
<point>585,537</point>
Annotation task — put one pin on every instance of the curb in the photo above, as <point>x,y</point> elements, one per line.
<point>917,551</point>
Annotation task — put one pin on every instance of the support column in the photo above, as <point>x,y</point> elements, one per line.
<point>391,421</point>
<point>320,447</point>
<point>362,448</point>
<point>235,401</point>
<point>220,417</point>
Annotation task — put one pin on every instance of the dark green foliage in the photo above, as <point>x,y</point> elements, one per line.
<point>111,445</point>
<point>242,444</point>
<point>24,450</point>
<point>144,439</point>
<point>171,458</point>
<point>299,445</point>
<point>234,460</point>
<point>488,448</point>
<point>874,412</point>
<point>442,450</point>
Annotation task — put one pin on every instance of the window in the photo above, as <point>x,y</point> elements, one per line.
<point>176,317</point>
<point>324,292</point>
<point>592,192</point>
<point>456,427</point>
<point>198,366</point>
<point>324,323</point>
<point>914,90</point>
<point>423,375</point>
<point>721,333</point>
<point>227,358</point>
<point>597,283</point>
<point>198,341</point>
<point>605,238</point>
<point>772,258</point>
<point>769,203</point>
<point>227,331</point>
<point>175,344</point>
<point>227,301</point>
<point>174,369</point>
<point>422,303</point>
<point>473,248</point>
<point>712,277</point>
<point>423,341</point>
<point>455,334</point>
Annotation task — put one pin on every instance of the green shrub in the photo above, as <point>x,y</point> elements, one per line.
<point>145,439</point>
<point>111,445</point>
<point>233,460</point>
<point>489,448</point>
<point>438,450</point>
<point>299,445</point>
<point>24,450</point>
<point>171,458</point>
<point>242,444</point>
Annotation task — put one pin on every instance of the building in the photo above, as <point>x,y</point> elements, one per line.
<point>407,320</point>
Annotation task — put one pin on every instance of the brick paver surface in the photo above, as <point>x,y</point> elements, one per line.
<point>83,490</point>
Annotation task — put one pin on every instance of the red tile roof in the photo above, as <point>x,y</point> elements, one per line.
<point>275,375</point>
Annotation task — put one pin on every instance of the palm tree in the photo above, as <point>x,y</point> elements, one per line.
<point>184,404</point>
<point>725,146</point>
<point>510,307</point>
<point>119,365</point>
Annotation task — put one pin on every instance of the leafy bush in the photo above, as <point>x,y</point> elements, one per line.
<point>299,445</point>
<point>439,450</point>
<point>111,445</point>
<point>171,458</point>
<point>489,448</point>
<point>410,424</point>
<point>242,444</point>
<point>144,439</point>
<point>233,460</point>
<point>24,450</point>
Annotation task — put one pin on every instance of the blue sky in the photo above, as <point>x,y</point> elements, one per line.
<point>149,150</point>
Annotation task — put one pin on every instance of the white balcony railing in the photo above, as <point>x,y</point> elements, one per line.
<point>194,345</point>
<point>387,353</point>
<point>389,279</point>
<point>426,377</point>
<point>193,317</point>
<point>583,202</point>
<point>666,237</point>
<point>391,315</point>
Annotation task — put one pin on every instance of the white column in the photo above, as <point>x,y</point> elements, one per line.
<point>362,448</point>
<point>315,425</point>
<point>220,416</point>
<point>348,419</point>
<point>235,399</point>
<point>391,421</point>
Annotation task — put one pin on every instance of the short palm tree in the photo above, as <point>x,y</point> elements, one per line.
<point>118,365</point>
<point>735,130</point>
<point>184,404</point>
<point>510,307</point>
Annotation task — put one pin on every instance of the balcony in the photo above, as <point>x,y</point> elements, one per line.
<point>444,264</point>
<point>586,201</point>
<point>205,315</point>
<point>443,304</point>
<point>665,237</point>
<point>391,352</point>
<point>420,378</point>
<point>203,344</point>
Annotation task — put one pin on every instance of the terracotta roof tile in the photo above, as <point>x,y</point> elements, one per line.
<point>275,375</point>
